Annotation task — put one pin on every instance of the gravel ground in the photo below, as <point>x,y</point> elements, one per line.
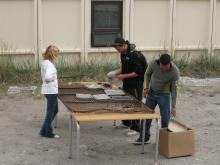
<point>101,142</point>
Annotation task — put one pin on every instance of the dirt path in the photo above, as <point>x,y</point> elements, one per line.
<point>101,142</point>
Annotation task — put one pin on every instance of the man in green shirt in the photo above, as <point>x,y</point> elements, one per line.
<point>161,86</point>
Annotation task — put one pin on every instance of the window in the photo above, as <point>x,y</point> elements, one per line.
<point>106,22</point>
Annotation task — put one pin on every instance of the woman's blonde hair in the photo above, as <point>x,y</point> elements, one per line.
<point>51,53</point>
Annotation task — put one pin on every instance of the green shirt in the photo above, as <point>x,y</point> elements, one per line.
<point>163,81</point>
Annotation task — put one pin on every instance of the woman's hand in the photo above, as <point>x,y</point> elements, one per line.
<point>47,81</point>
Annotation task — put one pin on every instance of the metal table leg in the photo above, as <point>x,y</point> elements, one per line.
<point>157,143</point>
<point>77,142</point>
<point>143,135</point>
<point>71,136</point>
<point>114,123</point>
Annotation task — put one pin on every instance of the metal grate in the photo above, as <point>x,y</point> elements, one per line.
<point>73,99</point>
<point>114,104</point>
<point>83,90</point>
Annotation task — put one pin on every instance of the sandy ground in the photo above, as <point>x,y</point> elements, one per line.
<point>102,143</point>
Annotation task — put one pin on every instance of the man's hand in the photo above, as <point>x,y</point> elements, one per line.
<point>128,75</point>
<point>120,76</point>
<point>145,92</point>
<point>173,112</point>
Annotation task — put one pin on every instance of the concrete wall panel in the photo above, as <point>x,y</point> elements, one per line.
<point>151,23</point>
<point>16,24</point>
<point>217,26</point>
<point>61,23</point>
<point>192,23</point>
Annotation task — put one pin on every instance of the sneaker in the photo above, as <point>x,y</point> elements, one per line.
<point>41,135</point>
<point>51,136</point>
<point>56,136</point>
<point>139,141</point>
<point>131,133</point>
<point>121,125</point>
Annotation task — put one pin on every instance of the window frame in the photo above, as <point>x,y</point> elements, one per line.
<point>98,31</point>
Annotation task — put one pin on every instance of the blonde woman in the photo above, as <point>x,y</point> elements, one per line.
<point>49,89</point>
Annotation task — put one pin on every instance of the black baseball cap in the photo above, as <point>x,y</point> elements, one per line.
<point>119,41</point>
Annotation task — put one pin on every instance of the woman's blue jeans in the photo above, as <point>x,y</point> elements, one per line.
<point>52,110</point>
<point>163,101</point>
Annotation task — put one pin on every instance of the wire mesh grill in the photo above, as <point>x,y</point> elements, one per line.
<point>114,104</point>
<point>83,90</point>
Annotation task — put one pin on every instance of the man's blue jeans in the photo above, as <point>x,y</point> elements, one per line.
<point>163,101</point>
<point>52,109</point>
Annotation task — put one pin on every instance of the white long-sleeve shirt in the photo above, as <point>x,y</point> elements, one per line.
<point>49,73</point>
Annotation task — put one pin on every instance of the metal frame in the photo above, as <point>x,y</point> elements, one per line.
<point>157,142</point>
<point>77,130</point>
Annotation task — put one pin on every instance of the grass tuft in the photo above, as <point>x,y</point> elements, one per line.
<point>27,74</point>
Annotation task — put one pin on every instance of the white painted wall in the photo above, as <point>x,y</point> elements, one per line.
<point>29,26</point>
<point>217,26</point>
<point>16,24</point>
<point>61,23</point>
<point>151,23</point>
<point>192,24</point>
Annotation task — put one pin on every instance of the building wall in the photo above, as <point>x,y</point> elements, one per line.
<point>183,27</point>
<point>16,26</point>
<point>150,27</point>
<point>216,35</point>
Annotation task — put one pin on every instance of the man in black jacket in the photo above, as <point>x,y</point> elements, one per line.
<point>133,67</point>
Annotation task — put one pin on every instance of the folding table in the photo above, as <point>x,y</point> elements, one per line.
<point>76,117</point>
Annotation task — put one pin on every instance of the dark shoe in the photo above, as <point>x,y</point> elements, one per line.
<point>135,128</point>
<point>52,136</point>
<point>139,141</point>
<point>41,135</point>
<point>127,123</point>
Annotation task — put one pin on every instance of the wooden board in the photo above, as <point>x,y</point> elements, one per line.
<point>113,116</point>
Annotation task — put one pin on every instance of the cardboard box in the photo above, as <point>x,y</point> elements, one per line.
<point>175,144</point>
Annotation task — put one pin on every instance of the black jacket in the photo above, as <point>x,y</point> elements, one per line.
<point>133,61</point>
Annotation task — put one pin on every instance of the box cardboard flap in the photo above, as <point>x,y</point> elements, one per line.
<point>176,126</point>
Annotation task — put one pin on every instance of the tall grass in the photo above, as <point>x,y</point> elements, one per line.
<point>203,66</point>
<point>17,74</point>
<point>85,72</point>
<point>26,73</point>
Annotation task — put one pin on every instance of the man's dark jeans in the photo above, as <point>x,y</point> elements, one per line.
<point>137,93</point>
<point>163,100</point>
<point>52,109</point>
